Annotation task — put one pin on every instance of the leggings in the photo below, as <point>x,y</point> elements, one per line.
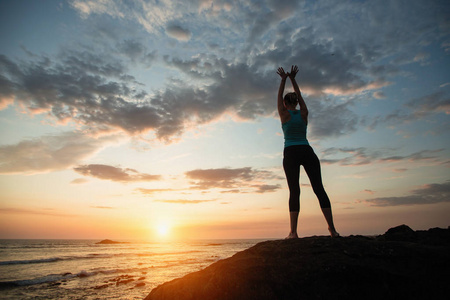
<point>294,157</point>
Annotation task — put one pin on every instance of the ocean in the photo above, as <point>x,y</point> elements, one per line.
<point>83,269</point>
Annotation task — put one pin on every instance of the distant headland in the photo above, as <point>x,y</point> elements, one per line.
<point>109,242</point>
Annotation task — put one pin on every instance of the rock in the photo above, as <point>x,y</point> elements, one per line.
<point>103,286</point>
<point>354,267</point>
<point>125,281</point>
<point>108,242</point>
<point>434,236</point>
<point>139,284</point>
<point>401,233</point>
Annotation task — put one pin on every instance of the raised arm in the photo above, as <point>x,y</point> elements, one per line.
<point>282,110</point>
<point>301,101</point>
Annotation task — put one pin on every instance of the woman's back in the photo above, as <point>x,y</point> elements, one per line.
<point>295,130</point>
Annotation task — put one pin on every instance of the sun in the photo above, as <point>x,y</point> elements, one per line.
<point>163,229</point>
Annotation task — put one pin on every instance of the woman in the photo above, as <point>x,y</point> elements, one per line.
<point>297,152</point>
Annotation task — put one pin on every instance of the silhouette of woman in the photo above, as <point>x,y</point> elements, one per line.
<point>297,152</point>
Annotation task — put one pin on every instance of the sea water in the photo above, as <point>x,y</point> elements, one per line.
<point>83,269</point>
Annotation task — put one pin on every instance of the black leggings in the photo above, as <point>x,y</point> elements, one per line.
<point>294,156</point>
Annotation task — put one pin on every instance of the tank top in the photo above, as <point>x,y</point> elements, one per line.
<point>294,130</point>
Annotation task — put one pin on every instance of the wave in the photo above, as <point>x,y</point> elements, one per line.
<point>58,278</point>
<point>39,280</point>
<point>31,261</point>
<point>54,278</point>
<point>53,259</point>
<point>88,256</point>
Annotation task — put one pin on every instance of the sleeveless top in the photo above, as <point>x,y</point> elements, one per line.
<point>294,130</point>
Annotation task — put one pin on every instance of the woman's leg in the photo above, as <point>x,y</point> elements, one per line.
<point>329,217</point>
<point>293,216</point>
<point>292,170</point>
<point>312,168</point>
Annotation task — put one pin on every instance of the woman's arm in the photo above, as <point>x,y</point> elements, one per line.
<point>301,101</point>
<point>282,110</point>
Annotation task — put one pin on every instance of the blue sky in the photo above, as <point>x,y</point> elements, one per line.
<point>125,115</point>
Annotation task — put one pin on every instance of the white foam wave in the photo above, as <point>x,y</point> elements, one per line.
<point>38,280</point>
<point>55,259</point>
<point>31,261</point>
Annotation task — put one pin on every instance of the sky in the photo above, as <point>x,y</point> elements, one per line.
<point>157,119</point>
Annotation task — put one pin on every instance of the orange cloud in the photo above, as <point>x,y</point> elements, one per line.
<point>182,201</point>
<point>234,180</point>
<point>106,172</point>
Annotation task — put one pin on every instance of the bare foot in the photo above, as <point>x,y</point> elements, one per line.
<point>292,236</point>
<point>333,233</point>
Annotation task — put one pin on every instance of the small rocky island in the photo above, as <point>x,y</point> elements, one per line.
<point>400,264</point>
<point>109,242</point>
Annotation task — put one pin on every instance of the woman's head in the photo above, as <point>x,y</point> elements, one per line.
<point>290,99</point>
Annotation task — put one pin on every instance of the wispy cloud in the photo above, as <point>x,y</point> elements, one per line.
<point>233,180</point>
<point>182,201</point>
<point>153,191</point>
<point>79,181</point>
<point>103,207</point>
<point>363,156</point>
<point>30,211</point>
<point>178,32</point>
<point>106,172</point>
<point>417,109</point>
<point>368,191</point>
<point>264,188</point>
<point>438,102</point>
<point>50,152</point>
<point>427,194</point>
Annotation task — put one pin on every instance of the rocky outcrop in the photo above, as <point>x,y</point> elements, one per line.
<point>109,242</point>
<point>401,264</point>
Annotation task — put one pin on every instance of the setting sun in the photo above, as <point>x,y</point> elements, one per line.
<point>163,229</point>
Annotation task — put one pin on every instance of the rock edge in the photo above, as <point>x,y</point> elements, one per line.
<point>400,264</point>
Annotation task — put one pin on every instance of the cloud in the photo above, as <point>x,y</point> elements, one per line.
<point>277,11</point>
<point>421,57</point>
<point>27,211</point>
<point>417,109</point>
<point>438,102</point>
<point>79,181</point>
<point>222,177</point>
<point>106,172</point>
<point>137,52</point>
<point>152,191</point>
<point>363,156</point>
<point>253,98</point>
<point>50,153</point>
<point>93,87</point>
<point>178,32</point>
<point>264,188</point>
<point>77,89</point>
<point>427,194</point>
<point>85,8</point>
<point>379,95</point>
<point>151,15</point>
<point>330,119</point>
<point>181,201</point>
<point>103,207</point>
<point>232,179</point>
<point>6,92</point>
<point>368,191</point>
